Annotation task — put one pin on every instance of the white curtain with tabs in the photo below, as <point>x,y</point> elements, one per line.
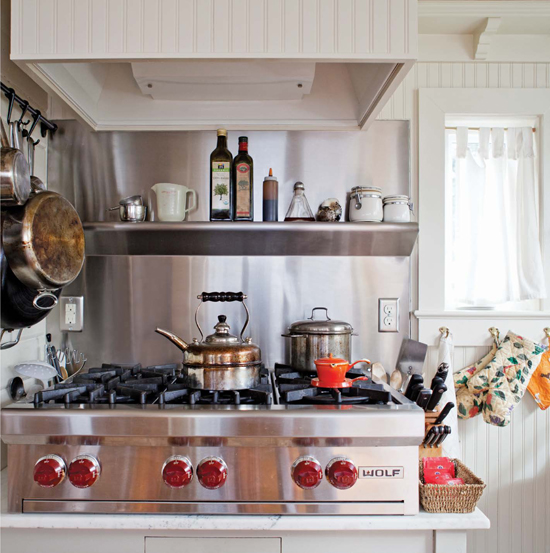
<point>496,241</point>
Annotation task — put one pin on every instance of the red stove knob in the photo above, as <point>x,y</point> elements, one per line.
<point>307,472</point>
<point>49,471</point>
<point>84,470</point>
<point>177,471</point>
<point>341,473</point>
<point>212,472</point>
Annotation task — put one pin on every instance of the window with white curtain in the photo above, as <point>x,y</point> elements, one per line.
<point>492,236</point>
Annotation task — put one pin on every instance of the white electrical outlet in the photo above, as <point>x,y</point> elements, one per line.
<point>72,313</point>
<point>388,315</point>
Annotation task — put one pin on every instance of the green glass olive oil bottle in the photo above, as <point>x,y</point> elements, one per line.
<point>221,196</point>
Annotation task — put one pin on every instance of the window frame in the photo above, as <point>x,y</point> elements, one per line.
<point>435,105</point>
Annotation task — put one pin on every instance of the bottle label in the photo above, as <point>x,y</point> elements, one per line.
<point>243,190</point>
<point>221,171</point>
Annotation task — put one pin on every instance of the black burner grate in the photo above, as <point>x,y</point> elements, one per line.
<point>159,384</point>
<point>295,388</point>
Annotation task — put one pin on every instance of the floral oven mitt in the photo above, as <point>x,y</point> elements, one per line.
<point>496,383</point>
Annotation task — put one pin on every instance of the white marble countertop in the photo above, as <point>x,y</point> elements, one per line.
<point>278,523</point>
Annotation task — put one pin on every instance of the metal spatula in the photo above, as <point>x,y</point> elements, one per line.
<point>411,358</point>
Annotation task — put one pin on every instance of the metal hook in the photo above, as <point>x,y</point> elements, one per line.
<point>547,332</point>
<point>36,118</point>
<point>495,333</point>
<point>11,95</point>
<point>24,108</point>
<point>444,331</point>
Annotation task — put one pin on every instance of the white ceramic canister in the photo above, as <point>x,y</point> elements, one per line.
<point>397,209</point>
<point>365,204</point>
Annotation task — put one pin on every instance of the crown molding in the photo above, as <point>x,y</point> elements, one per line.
<point>454,8</point>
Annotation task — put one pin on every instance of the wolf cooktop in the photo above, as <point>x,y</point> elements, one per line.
<point>132,439</point>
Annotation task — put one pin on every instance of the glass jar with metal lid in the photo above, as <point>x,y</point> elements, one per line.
<point>313,338</point>
<point>397,209</point>
<point>365,204</point>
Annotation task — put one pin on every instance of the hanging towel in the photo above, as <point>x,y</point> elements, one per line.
<point>469,400</point>
<point>451,445</point>
<point>499,386</point>
<point>539,385</point>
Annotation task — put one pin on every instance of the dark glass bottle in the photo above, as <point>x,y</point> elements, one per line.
<point>243,183</point>
<point>221,197</point>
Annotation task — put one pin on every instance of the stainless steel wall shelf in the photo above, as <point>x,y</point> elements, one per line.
<point>251,239</point>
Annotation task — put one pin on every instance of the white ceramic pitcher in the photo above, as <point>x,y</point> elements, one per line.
<point>172,201</point>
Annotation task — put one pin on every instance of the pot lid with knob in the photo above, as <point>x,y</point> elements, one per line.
<point>320,326</point>
<point>222,334</point>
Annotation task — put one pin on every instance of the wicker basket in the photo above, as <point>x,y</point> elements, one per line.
<point>436,498</point>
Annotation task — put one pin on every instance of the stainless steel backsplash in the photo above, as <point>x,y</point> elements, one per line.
<point>126,297</point>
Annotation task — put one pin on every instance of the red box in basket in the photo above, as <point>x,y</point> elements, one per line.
<point>438,470</point>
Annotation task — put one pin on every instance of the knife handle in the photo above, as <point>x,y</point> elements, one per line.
<point>436,382</point>
<point>414,379</point>
<point>436,397</point>
<point>423,398</point>
<point>428,436</point>
<point>444,412</point>
<point>435,436</point>
<point>415,391</point>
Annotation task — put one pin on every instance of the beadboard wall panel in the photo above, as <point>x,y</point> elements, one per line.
<point>513,461</point>
<point>122,29</point>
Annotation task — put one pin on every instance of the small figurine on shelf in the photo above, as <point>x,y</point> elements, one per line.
<point>299,209</point>
<point>329,211</point>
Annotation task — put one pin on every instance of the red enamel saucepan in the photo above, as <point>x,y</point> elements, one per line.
<point>331,372</point>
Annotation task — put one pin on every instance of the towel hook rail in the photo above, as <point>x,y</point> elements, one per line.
<point>495,333</point>
<point>444,331</point>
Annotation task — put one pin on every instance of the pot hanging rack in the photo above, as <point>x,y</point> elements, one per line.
<point>45,124</point>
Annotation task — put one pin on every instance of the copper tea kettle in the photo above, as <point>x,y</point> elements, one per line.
<point>221,361</point>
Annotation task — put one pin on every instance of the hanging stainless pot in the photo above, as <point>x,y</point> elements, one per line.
<point>220,361</point>
<point>15,181</point>
<point>316,338</point>
<point>44,245</point>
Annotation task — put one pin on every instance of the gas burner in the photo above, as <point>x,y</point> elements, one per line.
<point>296,388</point>
<point>114,384</point>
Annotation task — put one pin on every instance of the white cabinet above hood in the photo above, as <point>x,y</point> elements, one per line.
<point>199,64</point>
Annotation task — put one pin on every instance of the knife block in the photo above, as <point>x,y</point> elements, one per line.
<point>429,419</point>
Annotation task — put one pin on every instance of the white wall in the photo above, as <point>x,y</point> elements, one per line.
<point>514,461</point>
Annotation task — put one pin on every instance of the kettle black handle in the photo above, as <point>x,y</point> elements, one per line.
<point>222,296</point>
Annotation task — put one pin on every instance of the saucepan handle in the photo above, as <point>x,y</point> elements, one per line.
<point>360,361</point>
<point>11,343</point>
<point>45,295</point>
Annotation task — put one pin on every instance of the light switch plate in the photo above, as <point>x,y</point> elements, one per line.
<point>71,313</point>
<point>388,315</point>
